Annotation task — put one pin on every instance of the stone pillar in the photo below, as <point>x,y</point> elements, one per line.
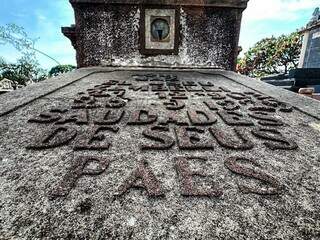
<point>304,49</point>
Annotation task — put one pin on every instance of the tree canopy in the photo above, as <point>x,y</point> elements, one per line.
<point>271,56</point>
<point>57,70</point>
<point>23,71</point>
<point>27,68</point>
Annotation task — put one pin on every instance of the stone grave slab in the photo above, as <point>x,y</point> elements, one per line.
<point>106,153</point>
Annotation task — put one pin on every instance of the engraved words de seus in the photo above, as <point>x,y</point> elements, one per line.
<point>172,113</point>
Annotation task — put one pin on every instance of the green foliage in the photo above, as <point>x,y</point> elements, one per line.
<point>2,61</point>
<point>24,71</point>
<point>57,70</point>
<point>271,56</point>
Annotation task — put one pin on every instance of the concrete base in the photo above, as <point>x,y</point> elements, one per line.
<point>124,153</point>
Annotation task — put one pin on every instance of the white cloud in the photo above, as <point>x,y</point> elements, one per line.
<point>40,16</point>
<point>259,10</point>
<point>51,40</point>
<point>265,18</point>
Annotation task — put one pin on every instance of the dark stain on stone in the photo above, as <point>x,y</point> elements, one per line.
<point>85,206</point>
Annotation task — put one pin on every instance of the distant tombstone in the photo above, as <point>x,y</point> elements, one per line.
<point>6,85</point>
<point>315,17</point>
<point>310,55</point>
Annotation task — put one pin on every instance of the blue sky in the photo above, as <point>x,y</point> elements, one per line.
<point>43,18</point>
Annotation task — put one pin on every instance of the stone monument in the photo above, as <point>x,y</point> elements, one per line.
<point>6,85</point>
<point>158,153</point>
<point>193,33</point>
<point>310,54</point>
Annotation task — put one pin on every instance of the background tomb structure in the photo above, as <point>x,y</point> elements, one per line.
<point>158,153</point>
<point>203,33</point>
<point>6,85</point>
<point>307,75</point>
<point>310,54</point>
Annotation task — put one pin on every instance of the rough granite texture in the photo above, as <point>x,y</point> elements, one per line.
<point>109,34</point>
<point>245,166</point>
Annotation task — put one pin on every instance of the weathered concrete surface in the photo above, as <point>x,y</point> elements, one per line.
<point>260,168</point>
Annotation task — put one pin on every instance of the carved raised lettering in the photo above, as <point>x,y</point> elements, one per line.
<point>157,134</point>
<point>211,89</point>
<point>247,101</point>
<point>174,104</point>
<point>48,117</point>
<point>124,83</point>
<point>234,118</point>
<point>56,137</point>
<point>224,89</point>
<point>178,95</point>
<point>211,105</point>
<point>98,93</point>
<point>199,94</point>
<point>110,82</point>
<point>142,117</point>
<point>237,95</point>
<point>186,175</point>
<point>79,117</point>
<point>168,111</point>
<point>140,78</point>
<point>201,118</point>
<point>194,88</point>
<point>174,118</point>
<point>229,105</point>
<point>176,87</point>
<point>265,119</point>
<point>81,166</point>
<point>193,138</point>
<point>117,92</point>
<point>206,84</point>
<point>161,95</point>
<point>189,83</point>
<point>144,178</point>
<point>283,107</point>
<point>226,140</point>
<point>144,88</point>
<point>277,140</point>
<point>85,102</point>
<point>158,88</point>
<point>216,95</point>
<point>271,102</point>
<point>262,109</point>
<point>95,139</point>
<point>115,102</point>
<point>170,77</point>
<point>108,117</point>
<point>234,166</point>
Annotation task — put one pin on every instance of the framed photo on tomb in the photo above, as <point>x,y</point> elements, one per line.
<point>159,31</point>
